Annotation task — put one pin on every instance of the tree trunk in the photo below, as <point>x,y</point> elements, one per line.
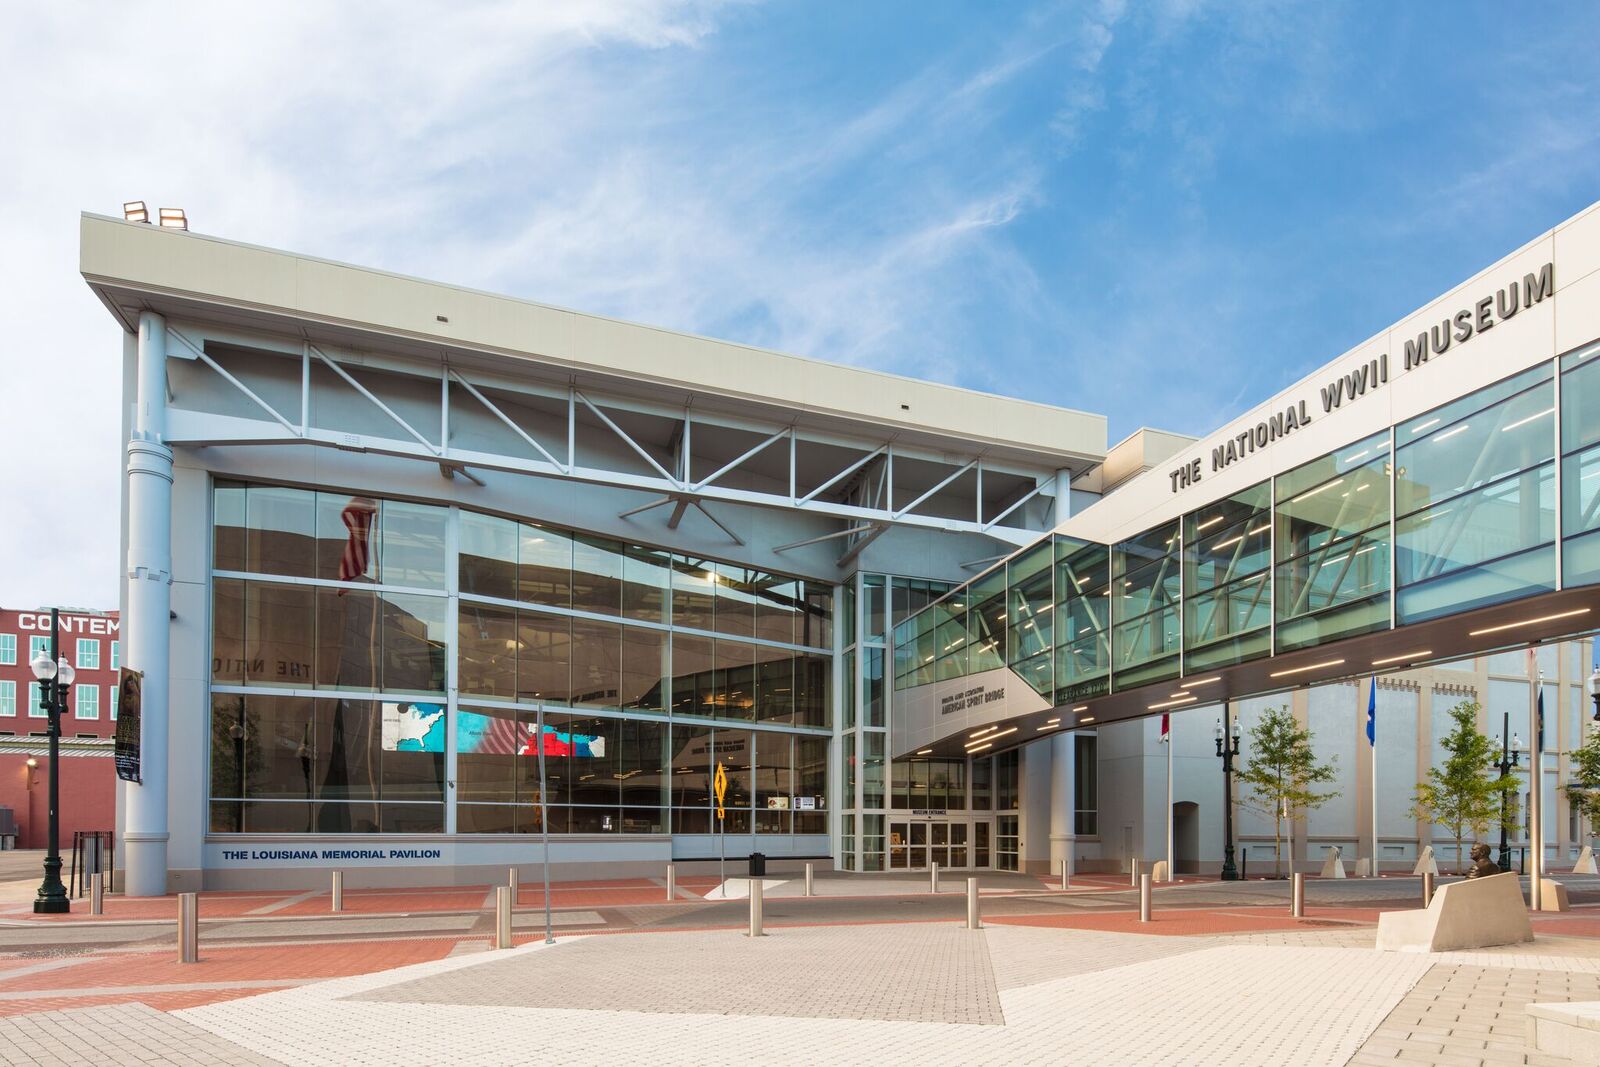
<point>1458,853</point>
<point>1277,851</point>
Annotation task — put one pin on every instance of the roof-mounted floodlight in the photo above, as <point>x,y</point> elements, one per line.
<point>134,211</point>
<point>174,218</point>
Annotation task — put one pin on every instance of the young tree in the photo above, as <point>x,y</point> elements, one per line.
<point>1465,792</point>
<point>1583,791</point>
<point>1281,772</point>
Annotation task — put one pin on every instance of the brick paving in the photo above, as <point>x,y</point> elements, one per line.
<point>865,976</point>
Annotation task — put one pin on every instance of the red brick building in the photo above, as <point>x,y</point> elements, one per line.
<point>91,642</point>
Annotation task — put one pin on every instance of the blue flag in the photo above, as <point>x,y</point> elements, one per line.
<point>1372,713</point>
<point>1540,715</point>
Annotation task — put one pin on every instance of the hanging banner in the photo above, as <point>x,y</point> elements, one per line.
<point>130,695</point>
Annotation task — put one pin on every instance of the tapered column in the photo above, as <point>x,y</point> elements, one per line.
<point>146,629</point>
<point>1062,837</point>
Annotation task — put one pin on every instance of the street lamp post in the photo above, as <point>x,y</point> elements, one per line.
<point>1594,692</point>
<point>1227,738</point>
<point>1509,745</point>
<point>55,675</point>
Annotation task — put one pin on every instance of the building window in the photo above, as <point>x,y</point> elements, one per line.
<point>8,649</point>
<point>88,654</point>
<point>87,704</point>
<point>36,645</point>
<point>8,694</point>
<point>1085,787</point>
<point>1005,773</point>
<point>34,710</point>
<point>112,693</point>
<point>116,655</point>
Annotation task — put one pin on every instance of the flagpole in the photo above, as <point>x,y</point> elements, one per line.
<point>1172,870</point>
<point>1535,787</point>
<point>1372,707</point>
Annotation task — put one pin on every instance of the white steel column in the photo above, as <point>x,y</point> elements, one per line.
<point>1061,799</point>
<point>1063,509</point>
<point>146,630</point>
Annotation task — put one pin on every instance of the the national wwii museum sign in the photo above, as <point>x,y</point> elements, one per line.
<point>1453,330</point>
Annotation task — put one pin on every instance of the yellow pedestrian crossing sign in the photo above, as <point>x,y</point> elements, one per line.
<point>720,784</point>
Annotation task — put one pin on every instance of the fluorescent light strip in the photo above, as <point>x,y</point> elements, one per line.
<point>1047,726</point>
<point>986,729</point>
<point>1201,681</point>
<point>1081,707</point>
<point>980,748</point>
<point>991,738</point>
<point>1308,667</point>
<point>1054,720</point>
<point>1463,428</point>
<point>1408,656</point>
<point>924,751</point>
<point>1086,718</point>
<point>1418,429</point>
<point>1209,522</point>
<point>1528,622</point>
<point>1524,422</point>
<point>1188,698</point>
<point>1224,544</point>
<point>1313,492</point>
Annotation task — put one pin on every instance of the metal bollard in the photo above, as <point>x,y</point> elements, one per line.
<point>756,907</point>
<point>811,889</point>
<point>97,894</point>
<point>1066,873</point>
<point>1133,873</point>
<point>1297,902</point>
<point>1144,898</point>
<point>338,891</point>
<point>502,916</point>
<point>188,927</point>
<point>514,882</point>
<point>1427,888</point>
<point>672,881</point>
<point>933,878</point>
<point>974,919</point>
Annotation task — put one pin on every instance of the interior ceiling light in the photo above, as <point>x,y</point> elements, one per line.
<point>1408,656</point>
<point>135,211</point>
<point>1085,719</point>
<point>1188,698</point>
<point>980,748</point>
<point>1201,681</point>
<point>1529,622</point>
<point>1307,667</point>
<point>1081,707</point>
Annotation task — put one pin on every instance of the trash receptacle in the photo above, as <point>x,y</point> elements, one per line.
<point>758,864</point>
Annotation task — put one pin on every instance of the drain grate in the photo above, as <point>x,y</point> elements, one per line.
<point>48,953</point>
<point>1325,922</point>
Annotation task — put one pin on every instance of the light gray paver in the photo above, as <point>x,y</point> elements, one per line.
<point>116,1034</point>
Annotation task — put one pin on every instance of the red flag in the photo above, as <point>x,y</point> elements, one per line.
<point>357,517</point>
<point>1166,725</point>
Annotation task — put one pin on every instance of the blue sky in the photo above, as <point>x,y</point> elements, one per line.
<point>1163,211</point>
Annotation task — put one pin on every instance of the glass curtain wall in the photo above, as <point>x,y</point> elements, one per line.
<point>1332,516</point>
<point>1475,499</point>
<point>1580,466</point>
<point>1146,587</point>
<point>340,624</point>
<point>1083,619</point>
<point>1227,603</point>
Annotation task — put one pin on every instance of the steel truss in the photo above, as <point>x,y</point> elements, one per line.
<point>862,490</point>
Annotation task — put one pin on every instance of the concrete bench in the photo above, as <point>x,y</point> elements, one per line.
<point>1570,1030</point>
<point>1471,914</point>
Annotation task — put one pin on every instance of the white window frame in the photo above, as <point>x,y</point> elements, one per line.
<point>8,697</point>
<point>37,644</point>
<point>34,696</point>
<point>116,654</point>
<point>8,649</point>
<point>80,708</point>
<point>113,692</point>
<point>88,655</point>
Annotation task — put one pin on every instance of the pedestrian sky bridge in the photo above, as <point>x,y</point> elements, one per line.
<point>1469,526</point>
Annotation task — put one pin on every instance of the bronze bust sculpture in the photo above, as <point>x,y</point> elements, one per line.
<point>1482,865</point>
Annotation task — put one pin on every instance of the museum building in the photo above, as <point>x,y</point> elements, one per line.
<point>418,576</point>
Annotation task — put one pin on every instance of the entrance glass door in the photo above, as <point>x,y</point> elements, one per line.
<point>913,845</point>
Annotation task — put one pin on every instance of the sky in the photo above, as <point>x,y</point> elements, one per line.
<point>1162,211</point>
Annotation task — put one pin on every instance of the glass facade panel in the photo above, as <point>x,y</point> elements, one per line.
<point>1227,606</point>
<point>1030,616</point>
<point>362,750</point>
<point>1475,499</point>
<point>1082,627</point>
<point>1146,586</point>
<point>1332,574</point>
<point>1580,466</point>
